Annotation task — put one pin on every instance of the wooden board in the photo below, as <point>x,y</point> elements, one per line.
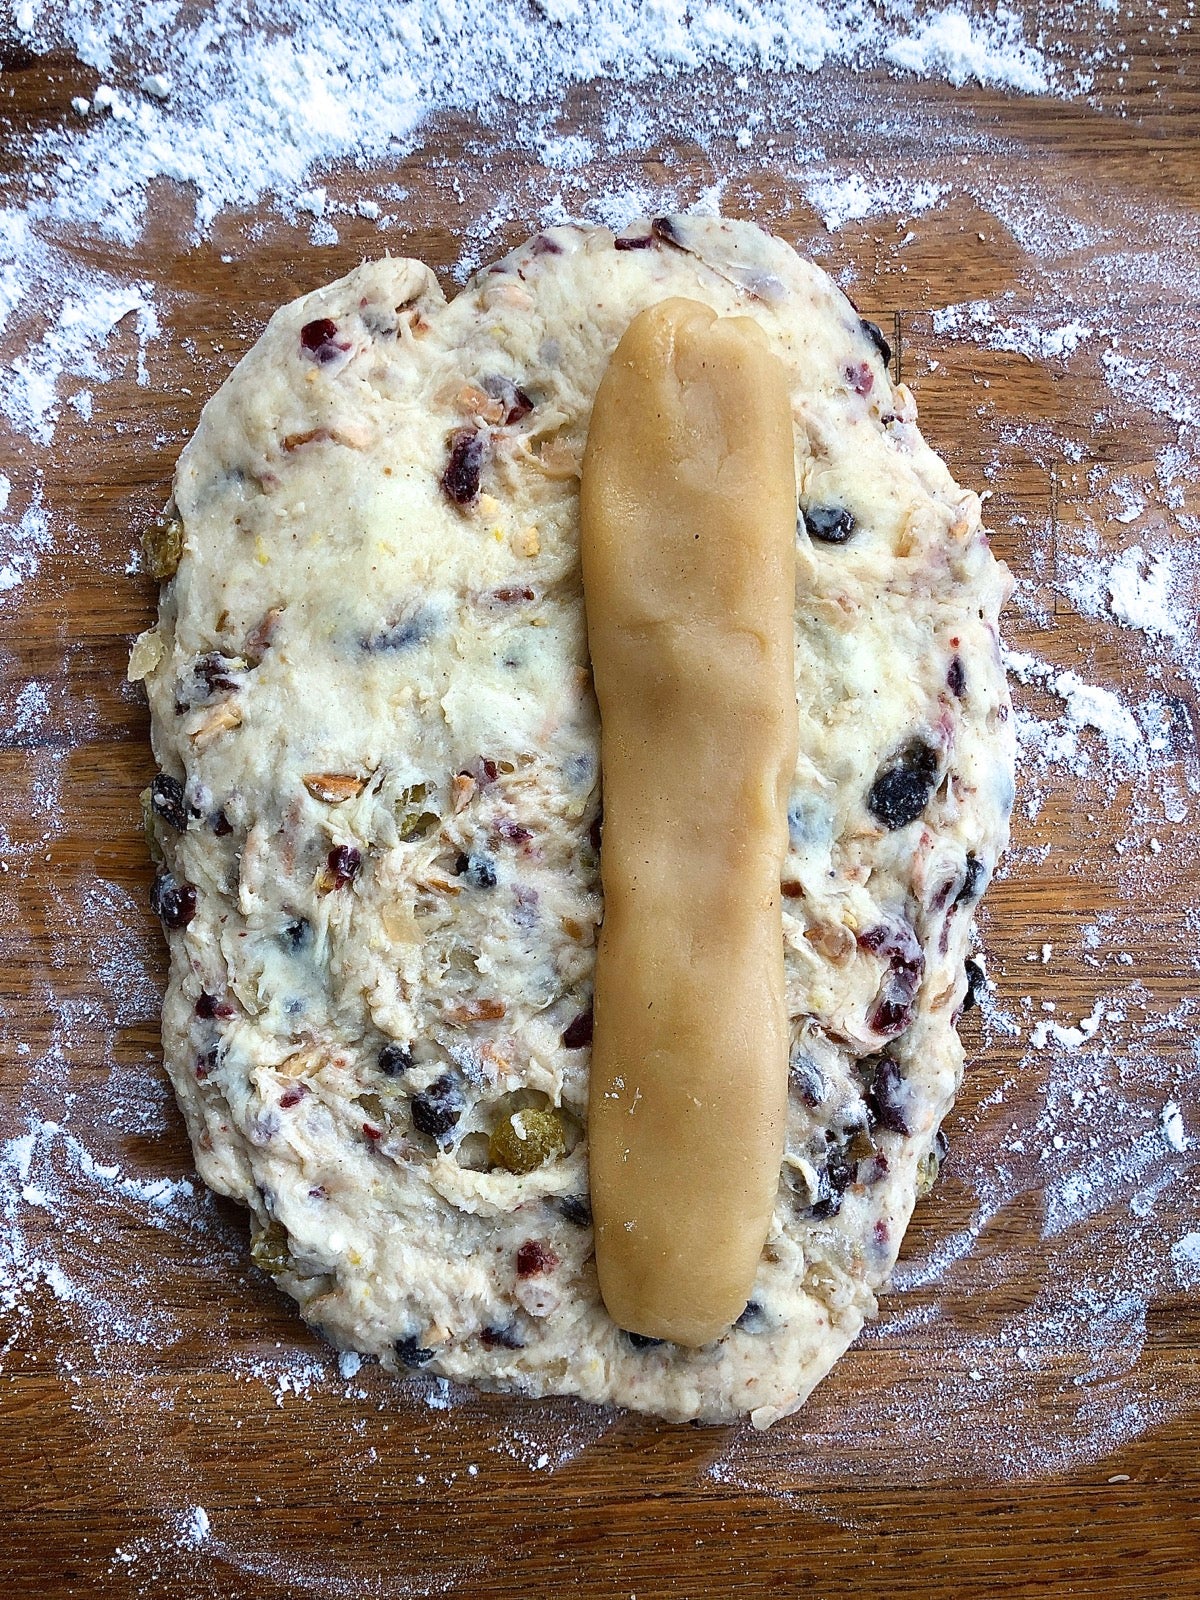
<point>353,1488</point>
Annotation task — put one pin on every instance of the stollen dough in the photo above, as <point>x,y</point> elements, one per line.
<point>376,820</point>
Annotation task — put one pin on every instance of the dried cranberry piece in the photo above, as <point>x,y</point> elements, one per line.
<point>220,824</point>
<point>207,1062</point>
<point>899,947</point>
<point>166,797</point>
<point>860,378</point>
<point>875,334</point>
<point>173,901</point>
<point>343,862</point>
<point>394,1059</point>
<point>534,1258</point>
<point>436,1110</point>
<point>596,831</point>
<point>665,228</point>
<point>292,1096</point>
<point>578,1031</point>
<point>214,671</point>
<point>829,524</point>
<point>976,983</point>
<point>642,1341</point>
<point>886,1097</point>
<point>543,246</point>
<point>903,785</point>
<point>501,1339</point>
<point>956,677</point>
<point>209,1007</point>
<point>479,871</point>
<point>574,1208</point>
<point>511,396</point>
<point>411,1354</point>
<point>320,339</point>
<point>460,480</point>
<point>314,334</point>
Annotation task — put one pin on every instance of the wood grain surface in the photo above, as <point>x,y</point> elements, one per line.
<point>358,1489</point>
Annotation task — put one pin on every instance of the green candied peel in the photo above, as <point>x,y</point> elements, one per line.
<point>150,827</point>
<point>163,544</point>
<point>269,1249</point>
<point>412,819</point>
<point>527,1140</point>
<point>927,1173</point>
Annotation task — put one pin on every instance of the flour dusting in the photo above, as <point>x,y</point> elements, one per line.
<point>191,136</point>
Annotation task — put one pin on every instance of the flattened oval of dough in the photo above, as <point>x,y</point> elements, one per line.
<point>688,546</point>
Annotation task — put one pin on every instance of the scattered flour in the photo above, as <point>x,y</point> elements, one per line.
<point>1085,1116</point>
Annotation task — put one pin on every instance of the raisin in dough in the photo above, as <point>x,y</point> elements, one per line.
<point>377,815</point>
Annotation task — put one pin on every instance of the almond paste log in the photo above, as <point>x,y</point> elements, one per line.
<point>688,507</point>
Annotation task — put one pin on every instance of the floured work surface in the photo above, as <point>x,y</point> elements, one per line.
<point>170,1428</point>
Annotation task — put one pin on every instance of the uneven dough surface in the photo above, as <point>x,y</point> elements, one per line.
<point>377,815</point>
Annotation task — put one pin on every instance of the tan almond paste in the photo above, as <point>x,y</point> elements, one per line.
<point>688,507</point>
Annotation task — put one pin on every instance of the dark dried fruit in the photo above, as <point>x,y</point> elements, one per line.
<point>898,945</point>
<point>460,480</point>
<point>903,785</point>
<point>394,1059</point>
<point>320,339</point>
<point>596,832</point>
<point>976,983</point>
<point>635,241</point>
<point>806,1080</point>
<point>973,885</point>
<point>829,524</point>
<point>578,1031</point>
<point>293,1095</point>
<point>833,1179</point>
<point>479,871</point>
<point>342,863</point>
<point>411,1354</point>
<point>213,674</point>
<point>166,797</point>
<point>162,543</point>
<point>956,677</point>
<point>173,901</point>
<point>534,1258</point>
<point>220,824</point>
<point>875,334</point>
<point>501,1339</point>
<point>208,1008</point>
<point>545,246</point>
<point>574,1208</point>
<point>642,1341</point>
<point>753,1319</point>
<point>436,1110</point>
<point>511,396</point>
<point>886,1097</point>
<point>297,934</point>
<point>666,229</point>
